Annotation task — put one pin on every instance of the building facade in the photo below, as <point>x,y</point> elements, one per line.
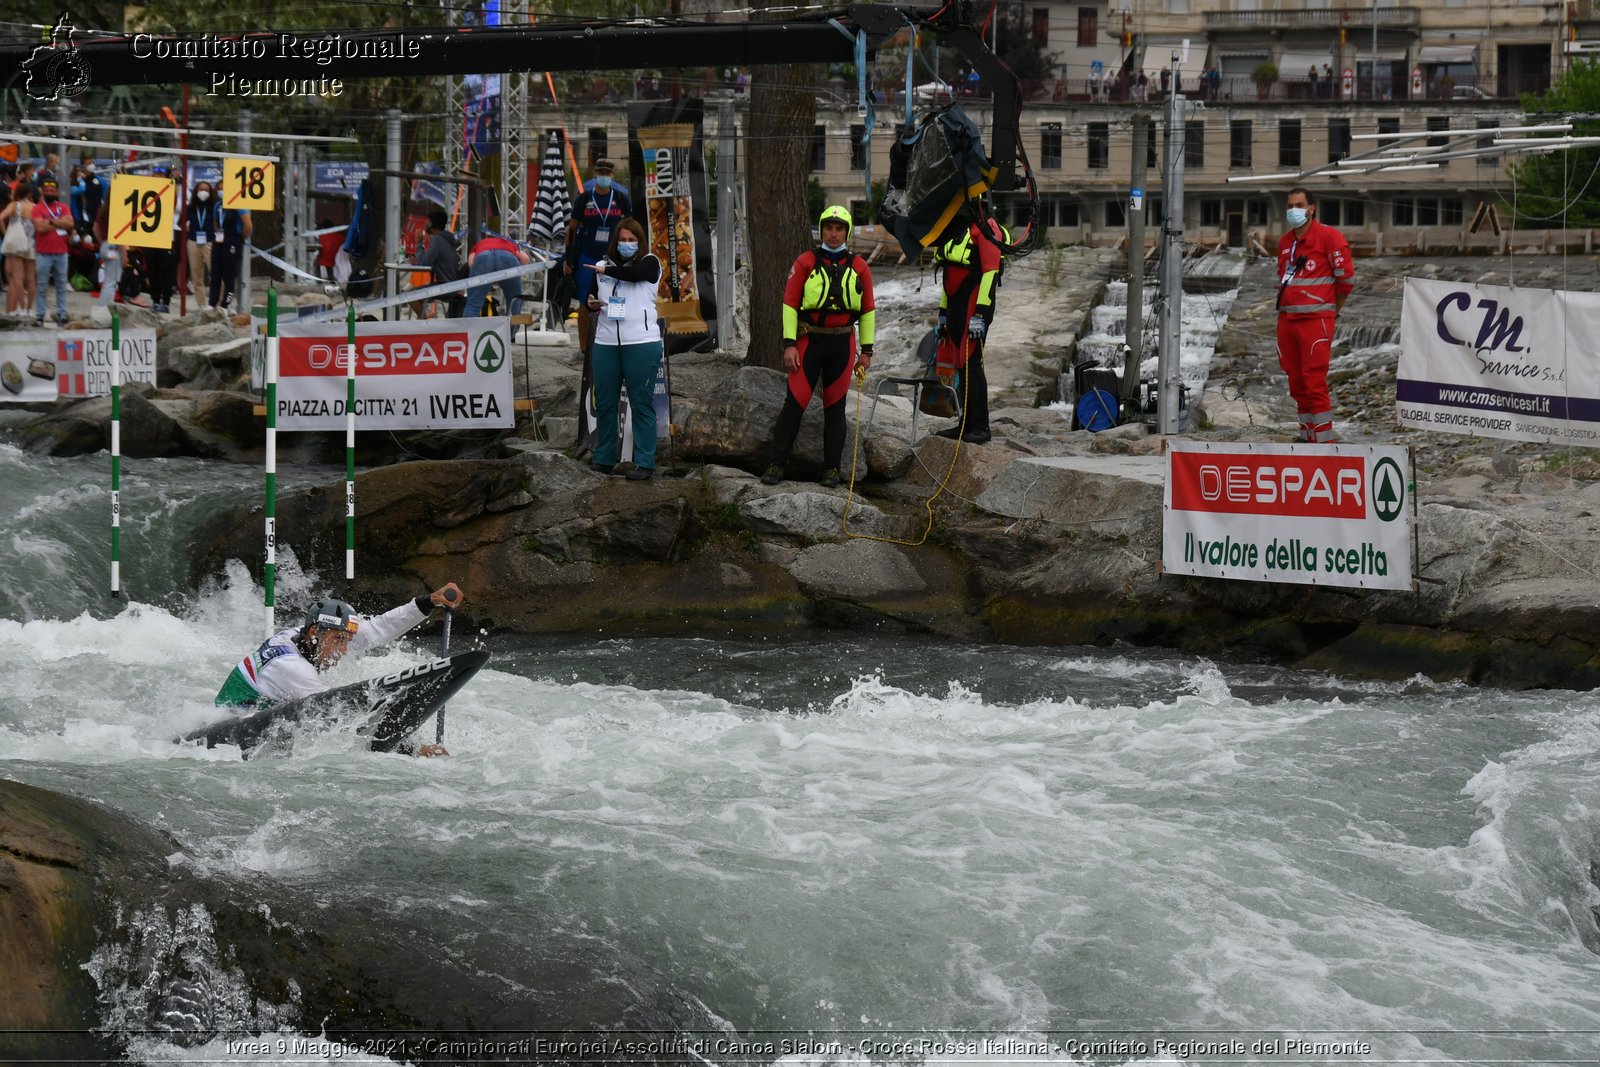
<point>1276,87</point>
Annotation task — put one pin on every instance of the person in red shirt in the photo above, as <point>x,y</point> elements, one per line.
<point>494,253</point>
<point>1315,276</point>
<point>328,245</point>
<point>52,221</point>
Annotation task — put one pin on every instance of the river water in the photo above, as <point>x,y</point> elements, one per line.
<point>854,835</point>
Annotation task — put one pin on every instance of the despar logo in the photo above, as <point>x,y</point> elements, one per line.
<point>1388,490</point>
<point>1242,483</point>
<point>1497,329</point>
<point>423,353</point>
<point>491,353</point>
<point>57,69</point>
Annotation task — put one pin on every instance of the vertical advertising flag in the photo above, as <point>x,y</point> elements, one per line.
<point>667,163</point>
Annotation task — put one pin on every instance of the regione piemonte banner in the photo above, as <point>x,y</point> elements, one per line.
<point>1518,364</point>
<point>1338,515</point>
<point>433,375</point>
<point>44,365</point>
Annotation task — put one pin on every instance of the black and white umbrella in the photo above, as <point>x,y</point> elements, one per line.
<point>552,207</point>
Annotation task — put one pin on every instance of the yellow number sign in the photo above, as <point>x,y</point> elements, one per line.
<point>247,184</point>
<point>141,211</point>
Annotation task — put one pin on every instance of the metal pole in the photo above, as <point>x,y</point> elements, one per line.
<point>391,207</point>
<point>270,570</point>
<point>350,445</point>
<point>726,177</point>
<point>116,452</point>
<point>243,304</point>
<point>62,166</point>
<point>291,209</point>
<point>1133,331</point>
<point>1172,254</point>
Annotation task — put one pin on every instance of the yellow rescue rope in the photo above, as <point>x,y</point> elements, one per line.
<point>855,456</point>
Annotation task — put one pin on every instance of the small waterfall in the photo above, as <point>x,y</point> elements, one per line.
<point>1204,314</point>
<point>1368,335</point>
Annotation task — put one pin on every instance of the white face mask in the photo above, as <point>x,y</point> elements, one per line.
<point>203,195</point>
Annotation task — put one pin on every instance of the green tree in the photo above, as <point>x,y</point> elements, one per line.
<point>1550,189</point>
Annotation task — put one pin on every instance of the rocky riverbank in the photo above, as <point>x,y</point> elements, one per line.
<point>1042,536</point>
<point>110,933</point>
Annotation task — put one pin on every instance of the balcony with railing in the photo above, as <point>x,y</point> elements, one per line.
<point>1389,18</point>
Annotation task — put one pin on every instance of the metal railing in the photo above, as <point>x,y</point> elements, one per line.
<point>1346,18</point>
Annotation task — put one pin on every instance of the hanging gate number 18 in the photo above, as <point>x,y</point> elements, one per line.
<point>247,185</point>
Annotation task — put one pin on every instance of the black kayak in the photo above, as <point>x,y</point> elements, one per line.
<point>393,706</point>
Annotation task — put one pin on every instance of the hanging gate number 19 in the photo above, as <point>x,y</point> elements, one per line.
<point>141,211</point>
<point>247,185</point>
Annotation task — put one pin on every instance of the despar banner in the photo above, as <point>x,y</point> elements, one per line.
<point>434,375</point>
<point>44,365</point>
<point>1497,362</point>
<point>667,160</point>
<point>1340,515</point>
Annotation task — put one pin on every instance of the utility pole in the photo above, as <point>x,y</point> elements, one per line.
<point>1133,330</point>
<point>391,209</point>
<point>244,247</point>
<point>1172,262</point>
<point>727,177</point>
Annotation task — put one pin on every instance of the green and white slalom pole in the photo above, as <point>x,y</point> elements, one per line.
<point>270,571</point>
<point>116,453</point>
<point>350,445</point>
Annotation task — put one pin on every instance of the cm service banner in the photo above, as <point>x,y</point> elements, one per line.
<point>1308,514</point>
<point>1489,361</point>
<point>434,375</point>
<point>45,365</point>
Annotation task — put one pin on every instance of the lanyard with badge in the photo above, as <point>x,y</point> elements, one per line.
<point>1290,266</point>
<point>602,233</point>
<point>617,304</point>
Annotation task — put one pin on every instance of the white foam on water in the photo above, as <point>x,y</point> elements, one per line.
<point>1142,846</point>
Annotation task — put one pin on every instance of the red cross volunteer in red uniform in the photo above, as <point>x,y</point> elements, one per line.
<point>1315,276</point>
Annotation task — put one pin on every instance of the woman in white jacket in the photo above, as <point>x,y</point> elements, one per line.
<point>627,347</point>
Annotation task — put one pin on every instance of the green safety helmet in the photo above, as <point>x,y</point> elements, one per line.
<point>331,614</point>
<point>835,213</point>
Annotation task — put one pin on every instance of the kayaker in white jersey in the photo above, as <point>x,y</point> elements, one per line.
<point>289,664</point>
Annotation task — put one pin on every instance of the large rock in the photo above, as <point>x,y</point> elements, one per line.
<point>184,350</point>
<point>85,427</point>
<point>105,933</point>
<point>734,425</point>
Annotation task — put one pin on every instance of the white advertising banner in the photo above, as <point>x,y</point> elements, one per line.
<point>1486,360</point>
<point>1308,514</point>
<point>431,375</point>
<point>45,365</point>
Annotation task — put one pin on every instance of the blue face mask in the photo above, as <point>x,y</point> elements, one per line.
<point>833,248</point>
<point>627,248</point>
<point>1296,217</point>
<point>602,183</point>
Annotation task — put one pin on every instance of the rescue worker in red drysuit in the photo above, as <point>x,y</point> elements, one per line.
<point>828,296</point>
<point>971,264</point>
<point>1315,275</point>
